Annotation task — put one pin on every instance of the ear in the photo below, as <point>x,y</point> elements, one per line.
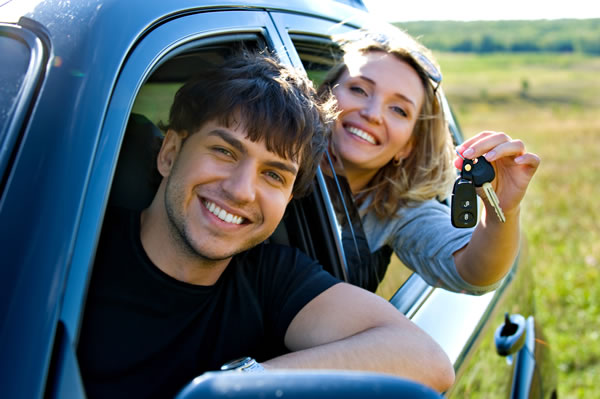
<point>169,151</point>
<point>404,152</point>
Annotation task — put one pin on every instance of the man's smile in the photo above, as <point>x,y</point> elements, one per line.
<point>222,213</point>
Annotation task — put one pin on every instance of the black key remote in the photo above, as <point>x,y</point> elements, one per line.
<point>464,204</point>
<point>482,172</point>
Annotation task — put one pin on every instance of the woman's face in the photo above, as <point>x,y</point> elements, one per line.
<point>380,99</point>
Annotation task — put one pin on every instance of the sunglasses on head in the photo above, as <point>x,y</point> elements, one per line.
<point>433,73</point>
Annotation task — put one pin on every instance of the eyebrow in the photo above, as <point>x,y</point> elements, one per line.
<point>239,146</point>
<point>232,141</point>
<point>399,95</point>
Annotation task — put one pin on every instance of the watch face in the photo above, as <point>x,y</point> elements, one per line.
<point>237,363</point>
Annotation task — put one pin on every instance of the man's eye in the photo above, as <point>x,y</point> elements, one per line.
<point>275,176</point>
<point>223,151</point>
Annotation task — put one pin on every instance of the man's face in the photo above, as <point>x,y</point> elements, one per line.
<point>224,193</point>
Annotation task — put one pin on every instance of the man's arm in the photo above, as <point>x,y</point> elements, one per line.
<point>346,327</point>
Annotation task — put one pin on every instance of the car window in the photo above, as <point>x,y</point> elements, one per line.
<point>162,60</point>
<point>381,272</point>
<point>156,95</point>
<point>21,67</point>
<point>15,61</point>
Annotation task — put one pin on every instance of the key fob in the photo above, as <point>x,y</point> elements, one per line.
<point>464,204</point>
<point>482,172</point>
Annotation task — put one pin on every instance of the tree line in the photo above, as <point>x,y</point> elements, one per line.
<point>559,36</point>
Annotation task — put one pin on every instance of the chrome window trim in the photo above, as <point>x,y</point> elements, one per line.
<point>333,222</point>
<point>411,295</point>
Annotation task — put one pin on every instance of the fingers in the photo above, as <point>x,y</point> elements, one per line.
<point>496,145</point>
<point>467,143</point>
<point>501,149</point>
<point>528,159</point>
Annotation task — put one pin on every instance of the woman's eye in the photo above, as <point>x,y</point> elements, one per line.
<point>358,90</point>
<point>399,111</point>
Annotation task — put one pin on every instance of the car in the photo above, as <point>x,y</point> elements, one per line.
<point>83,82</point>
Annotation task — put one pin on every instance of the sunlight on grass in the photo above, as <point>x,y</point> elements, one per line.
<point>558,119</point>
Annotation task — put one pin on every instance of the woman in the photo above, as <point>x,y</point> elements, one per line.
<point>393,142</point>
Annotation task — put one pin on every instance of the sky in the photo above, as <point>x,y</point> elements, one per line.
<point>471,10</point>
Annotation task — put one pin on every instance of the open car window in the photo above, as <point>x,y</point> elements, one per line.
<point>377,270</point>
<point>163,59</point>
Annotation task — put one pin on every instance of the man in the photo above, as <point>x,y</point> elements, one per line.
<point>187,285</point>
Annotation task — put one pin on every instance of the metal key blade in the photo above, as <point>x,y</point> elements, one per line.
<point>493,198</point>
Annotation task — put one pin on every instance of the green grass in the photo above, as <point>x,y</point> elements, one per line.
<point>557,116</point>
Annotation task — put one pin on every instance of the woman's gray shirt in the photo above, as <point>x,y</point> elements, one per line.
<point>424,240</point>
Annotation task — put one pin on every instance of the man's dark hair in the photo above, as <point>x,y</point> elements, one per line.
<point>277,104</point>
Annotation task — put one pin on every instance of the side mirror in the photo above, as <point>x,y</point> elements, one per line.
<point>510,336</point>
<point>314,384</point>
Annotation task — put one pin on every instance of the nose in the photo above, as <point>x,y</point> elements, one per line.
<point>240,184</point>
<point>372,112</point>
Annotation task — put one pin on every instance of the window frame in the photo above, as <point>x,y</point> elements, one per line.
<point>38,55</point>
<point>156,47</point>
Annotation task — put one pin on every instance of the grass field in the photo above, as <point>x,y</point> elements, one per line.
<point>552,103</point>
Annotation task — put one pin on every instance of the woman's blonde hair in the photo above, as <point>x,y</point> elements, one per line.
<point>427,172</point>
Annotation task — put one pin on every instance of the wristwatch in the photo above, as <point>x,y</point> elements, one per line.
<point>243,364</point>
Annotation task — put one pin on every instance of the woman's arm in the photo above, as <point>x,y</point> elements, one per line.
<point>494,245</point>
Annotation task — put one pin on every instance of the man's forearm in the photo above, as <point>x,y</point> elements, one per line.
<point>394,349</point>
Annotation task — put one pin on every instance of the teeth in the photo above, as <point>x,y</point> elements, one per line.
<point>222,213</point>
<point>362,134</point>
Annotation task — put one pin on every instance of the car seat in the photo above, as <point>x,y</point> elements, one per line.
<point>136,177</point>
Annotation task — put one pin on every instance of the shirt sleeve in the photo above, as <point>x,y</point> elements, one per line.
<point>424,239</point>
<point>293,280</point>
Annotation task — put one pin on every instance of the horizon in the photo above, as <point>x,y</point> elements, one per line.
<point>474,10</point>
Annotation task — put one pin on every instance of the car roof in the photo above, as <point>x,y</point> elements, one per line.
<point>131,11</point>
<point>75,27</point>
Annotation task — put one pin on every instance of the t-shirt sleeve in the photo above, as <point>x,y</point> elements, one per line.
<point>292,280</point>
<point>424,239</point>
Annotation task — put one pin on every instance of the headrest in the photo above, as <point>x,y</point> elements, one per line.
<point>136,178</point>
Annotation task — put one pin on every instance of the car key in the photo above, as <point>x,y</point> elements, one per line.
<point>483,173</point>
<point>463,210</point>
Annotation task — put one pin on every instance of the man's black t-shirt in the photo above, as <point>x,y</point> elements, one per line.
<point>145,334</point>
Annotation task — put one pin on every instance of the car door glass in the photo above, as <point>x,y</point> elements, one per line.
<point>380,271</point>
<point>15,61</point>
<point>22,60</point>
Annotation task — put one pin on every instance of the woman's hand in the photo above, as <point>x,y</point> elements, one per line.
<point>514,166</point>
